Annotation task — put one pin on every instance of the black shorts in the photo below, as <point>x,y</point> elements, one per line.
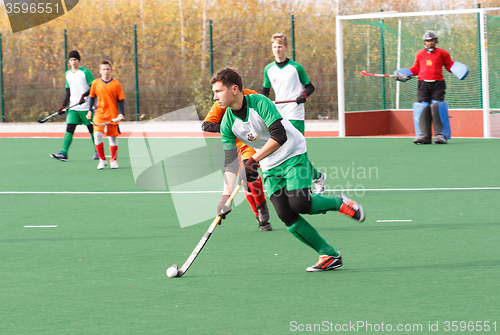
<point>428,91</point>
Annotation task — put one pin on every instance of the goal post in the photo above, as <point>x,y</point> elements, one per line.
<point>386,41</point>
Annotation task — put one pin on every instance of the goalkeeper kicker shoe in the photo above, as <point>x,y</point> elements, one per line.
<point>60,156</point>
<point>263,211</point>
<point>263,217</point>
<point>319,184</point>
<point>96,157</point>
<point>264,226</point>
<point>102,164</point>
<point>440,139</point>
<point>326,263</point>
<point>422,139</point>
<point>351,208</point>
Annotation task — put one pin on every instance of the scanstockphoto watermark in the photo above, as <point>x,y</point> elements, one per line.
<point>412,328</point>
<point>347,179</point>
<point>357,326</point>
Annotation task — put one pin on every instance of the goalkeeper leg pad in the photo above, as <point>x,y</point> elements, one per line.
<point>441,119</point>
<point>422,119</point>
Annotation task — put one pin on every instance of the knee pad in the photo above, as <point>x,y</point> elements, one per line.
<point>113,141</point>
<point>300,200</point>
<point>280,202</point>
<point>70,128</point>
<point>440,118</point>
<point>98,137</point>
<point>422,118</point>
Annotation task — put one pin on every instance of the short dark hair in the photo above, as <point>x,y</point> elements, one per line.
<point>106,62</point>
<point>229,76</point>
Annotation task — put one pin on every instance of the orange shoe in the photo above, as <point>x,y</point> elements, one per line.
<point>351,208</point>
<point>326,263</point>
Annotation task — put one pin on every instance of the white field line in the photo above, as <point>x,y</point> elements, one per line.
<point>218,191</point>
<point>393,220</point>
<point>40,226</point>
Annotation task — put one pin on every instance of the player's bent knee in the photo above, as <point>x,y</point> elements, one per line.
<point>70,128</point>
<point>280,202</point>
<point>300,200</point>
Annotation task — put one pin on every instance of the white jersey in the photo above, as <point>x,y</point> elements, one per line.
<point>78,83</point>
<point>253,131</point>
<point>288,83</point>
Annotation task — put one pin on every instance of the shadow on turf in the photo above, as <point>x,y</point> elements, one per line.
<point>475,264</point>
<point>412,226</point>
<point>347,270</point>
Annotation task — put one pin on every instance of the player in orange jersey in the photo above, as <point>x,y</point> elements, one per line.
<point>110,98</point>
<point>254,191</point>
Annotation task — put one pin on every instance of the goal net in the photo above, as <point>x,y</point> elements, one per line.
<point>384,42</point>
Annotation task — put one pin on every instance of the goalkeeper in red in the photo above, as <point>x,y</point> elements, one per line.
<point>110,99</point>
<point>431,108</point>
<point>282,154</point>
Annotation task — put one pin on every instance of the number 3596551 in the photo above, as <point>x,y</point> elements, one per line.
<point>32,8</point>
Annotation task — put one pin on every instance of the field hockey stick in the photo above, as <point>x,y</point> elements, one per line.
<point>55,114</point>
<point>105,123</point>
<point>285,101</point>
<point>367,74</point>
<point>207,235</point>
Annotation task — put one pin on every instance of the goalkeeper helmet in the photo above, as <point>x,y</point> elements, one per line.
<point>428,36</point>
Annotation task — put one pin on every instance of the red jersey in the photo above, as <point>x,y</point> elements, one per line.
<point>429,66</point>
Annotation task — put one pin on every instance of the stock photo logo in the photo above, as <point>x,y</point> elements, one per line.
<point>189,168</point>
<point>26,14</point>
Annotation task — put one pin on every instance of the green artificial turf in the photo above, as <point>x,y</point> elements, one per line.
<point>102,269</point>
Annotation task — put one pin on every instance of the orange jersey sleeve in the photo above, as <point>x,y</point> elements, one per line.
<point>215,116</point>
<point>217,113</point>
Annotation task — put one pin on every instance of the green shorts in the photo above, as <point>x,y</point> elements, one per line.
<point>77,117</point>
<point>294,174</point>
<point>299,125</point>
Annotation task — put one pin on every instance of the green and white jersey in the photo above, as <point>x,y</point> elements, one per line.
<point>261,113</point>
<point>78,83</point>
<point>288,83</point>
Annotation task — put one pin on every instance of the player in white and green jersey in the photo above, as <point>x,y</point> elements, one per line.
<point>282,153</point>
<point>289,81</point>
<point>78,80</point>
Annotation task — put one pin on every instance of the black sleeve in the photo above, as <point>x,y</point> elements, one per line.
<point>309,89</point>
<point>210,127</point>
<point>266,91</point>
<point>121,106</point>
<point>66,98</point>
<point>231,162</point>
<point>278,132</point>
<point>92,102</point>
